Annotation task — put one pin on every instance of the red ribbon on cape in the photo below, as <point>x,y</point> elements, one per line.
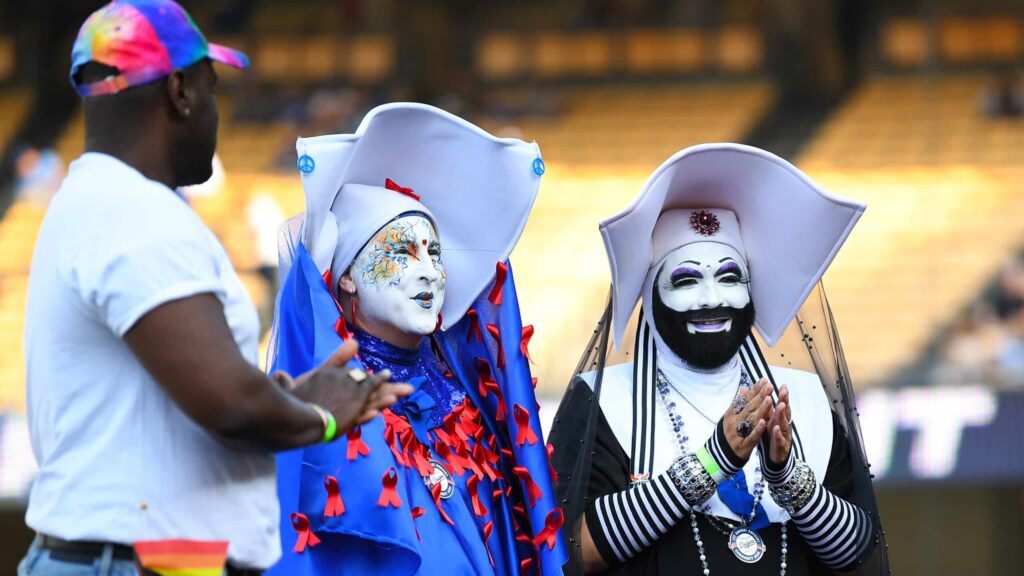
<point>552,524</point>
<point>435,491</point>
<point>488,527</point>
<point>416,513</point>
<point>524,343</point>
<point>392,185</point>
<point>534,492</point>
<point>524,433</point>
<point>500,273</point>
<point>335,505</point>
<point>474,326</point>
<point>473,486</point>
<point>341,328</point>
<point>306,536</point>
<point>551,467</point>
<point>495,332</point>
<point>420,458</point>
<point>389,495</point>
<point>356,446</point>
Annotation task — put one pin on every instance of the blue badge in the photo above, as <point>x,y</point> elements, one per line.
<point>306,164</point>
<point>538,166</point>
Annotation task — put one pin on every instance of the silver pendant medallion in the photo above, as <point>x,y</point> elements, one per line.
<point>746,544</point>
<point>440,475</point>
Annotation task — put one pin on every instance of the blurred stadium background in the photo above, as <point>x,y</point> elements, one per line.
<point>912,106</point>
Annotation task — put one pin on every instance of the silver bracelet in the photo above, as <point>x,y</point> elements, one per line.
<point>692,480</point>
<point>794,493</point>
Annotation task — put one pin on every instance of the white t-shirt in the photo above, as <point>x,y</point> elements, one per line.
<point>118,460</point>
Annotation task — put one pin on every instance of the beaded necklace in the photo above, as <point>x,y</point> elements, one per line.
<point>735,531</point>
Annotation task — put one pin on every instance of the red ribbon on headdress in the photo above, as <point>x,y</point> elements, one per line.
<point>440,320</point>
<point>306,536</point>
<point>389,495</point>
<point>473,486</point>
<point>335,506</point>
<point>474,326</point>
<point>392,185</point>
<point>525,343</point>
<point>534,491</point>
<point>525,434</point>
<point>488,527</point>
<point>552,524</point>
<point>356,446</point>
<point>416,513</point>
<point>500,272</point>
<point>495,332</point>
<point>526,565</point>
<point>435,491</point>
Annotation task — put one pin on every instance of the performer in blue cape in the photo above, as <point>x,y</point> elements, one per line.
<point>404,246</point>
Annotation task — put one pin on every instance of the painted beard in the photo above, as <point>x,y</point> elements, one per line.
<point>703,350</point>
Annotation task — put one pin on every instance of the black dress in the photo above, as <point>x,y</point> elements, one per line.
<point>676,552</point>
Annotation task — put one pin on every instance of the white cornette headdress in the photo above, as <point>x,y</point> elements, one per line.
<point>791,228</point>
<point>477,189</point>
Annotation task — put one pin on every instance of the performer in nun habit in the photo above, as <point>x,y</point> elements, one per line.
<point>704,452</point>
<point>403,246</point>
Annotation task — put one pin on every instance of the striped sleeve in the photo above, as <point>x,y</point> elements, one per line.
<point>623,524</point>
<point>838,532</point>
<point>718,446</point>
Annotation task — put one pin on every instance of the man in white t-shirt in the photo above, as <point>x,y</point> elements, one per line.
<point>148,415</point>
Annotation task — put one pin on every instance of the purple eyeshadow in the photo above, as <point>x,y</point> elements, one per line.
<point>729,267</point>
<point>684,272</point>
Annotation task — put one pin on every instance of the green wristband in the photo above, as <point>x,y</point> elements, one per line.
<point>710,466</point>
<point>332,428</point>
<point>327,419</point>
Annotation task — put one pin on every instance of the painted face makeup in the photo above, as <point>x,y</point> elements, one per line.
<point>702,307</point>
<point>400,278</point>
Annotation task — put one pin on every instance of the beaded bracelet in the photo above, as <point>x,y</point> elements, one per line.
<point>692,480</point>
<point>795,491</point>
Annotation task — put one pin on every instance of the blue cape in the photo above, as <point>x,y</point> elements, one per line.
<point>521,516</point>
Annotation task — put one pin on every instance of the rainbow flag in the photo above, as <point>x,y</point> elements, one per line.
<point>181,557</point>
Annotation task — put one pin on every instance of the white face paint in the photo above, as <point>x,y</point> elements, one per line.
<point>400,279</point>
<point>704,275</point>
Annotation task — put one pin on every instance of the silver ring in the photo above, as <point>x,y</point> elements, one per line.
<point>744,428</point>
<point>739,403</point>
<point>357,375</point>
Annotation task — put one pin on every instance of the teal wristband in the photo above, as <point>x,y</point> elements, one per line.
<point>710,466</point>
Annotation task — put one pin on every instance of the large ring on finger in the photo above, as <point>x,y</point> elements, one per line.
<point>357,375</point>
<point>739,403</point>
<point>744,428</point>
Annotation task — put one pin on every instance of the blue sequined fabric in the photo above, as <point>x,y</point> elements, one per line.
<point>419,365</point>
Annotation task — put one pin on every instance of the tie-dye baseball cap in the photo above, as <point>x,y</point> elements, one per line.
<point>145,40</point>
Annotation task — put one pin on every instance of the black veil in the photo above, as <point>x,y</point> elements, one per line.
<point>810,343</point>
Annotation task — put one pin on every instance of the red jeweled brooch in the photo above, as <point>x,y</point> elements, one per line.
<point>704,222</point>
